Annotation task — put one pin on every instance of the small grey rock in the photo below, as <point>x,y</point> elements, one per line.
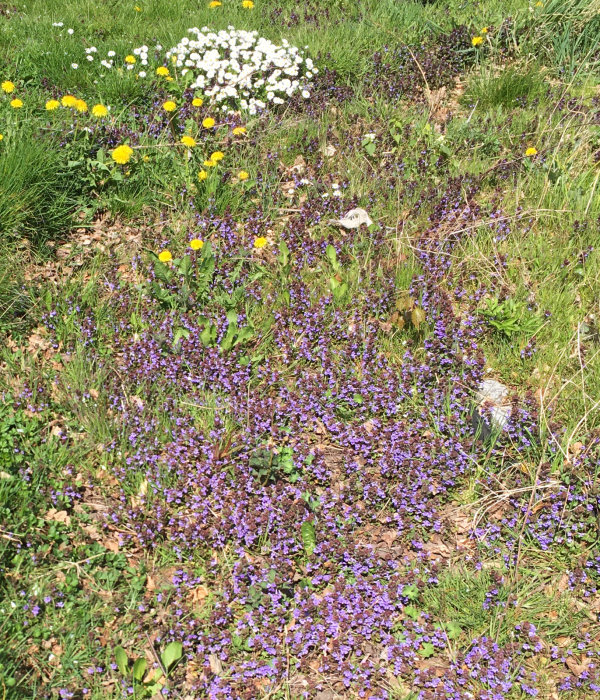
<point>493,408</point>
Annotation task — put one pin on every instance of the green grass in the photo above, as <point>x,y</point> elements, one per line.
<point>37,197</point>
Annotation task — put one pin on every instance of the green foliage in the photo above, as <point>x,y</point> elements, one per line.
<point>507,89</point>
<point>151,684</point>
<point>339,287</point>
<point>37,193</point>
<point>510,318</point>
<point>17,434</point>
<point>271,466</point>
<point>309,537</point>
<point>16,298</point>
<point>568,33</point>
<point>183,284</point>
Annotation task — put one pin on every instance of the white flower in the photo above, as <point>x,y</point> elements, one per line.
<point>142,74</point>
<point>238,69</point>
<point>57,24</point>
<point>89,58</point>
<point>70,31</point>
<point>74,66</point>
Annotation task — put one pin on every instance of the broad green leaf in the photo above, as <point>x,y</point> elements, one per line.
<point>185,265</point>
<point>244,335</point>
<point>227,341</point>
<point>139,669</point>
<point>453,630</point>
<point>332,257</point>
<point>427,650</point>
<point>232,316</point>
<point>309,538</point>
<point>284,253</point>
<point>209,334</point>
<point>340,292</point>
<point>171,655</point>
<point>162,272</point>
<point>179,334</point>
<point>411,592</point>
<point>411,612</point>
<point>370,148</point>
<point>122,660</point>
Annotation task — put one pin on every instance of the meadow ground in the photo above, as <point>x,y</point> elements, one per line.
<point>239,450</point>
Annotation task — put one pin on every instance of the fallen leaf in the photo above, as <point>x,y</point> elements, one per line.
<point>58,516</point>
<point>215,664</point>
<point>111,545</point>
<point>199,594</point>
<point>578,668</point>
<point>389,537</point>
<point>92,531</point>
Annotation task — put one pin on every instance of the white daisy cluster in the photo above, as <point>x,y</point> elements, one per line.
<point>238,69</point>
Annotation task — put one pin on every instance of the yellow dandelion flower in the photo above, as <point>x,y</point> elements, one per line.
<point>202,175</point>
<point>146,159</point>
<point>484,30</point>
<point>188,141</point>
<point>16,103</point>
<point>51,105</point>
<point>239,131</point>
<point>539,4</point>
<point>8,86</point>
<point>197,102</point>
<point>477,40</point>
<point>122,154</point>
<point>130,59</point>
<point>162,70</point>
<point>1,137</point>
<point>137,8</point>
<point>99,111</point>
<point>81,106</point>
<point>210,163</point>
<point>243,175</point>
<point>260,242</point>
<point>196,244</point>
<point>208,123</point>
<point>165,256</point>
<point>169,78</point>
<point>217,156</point>
<point>247,4</point>
<point>169,106</point>
<point>531,151</point>
<point>214,3</point>
<point>68,101</point>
